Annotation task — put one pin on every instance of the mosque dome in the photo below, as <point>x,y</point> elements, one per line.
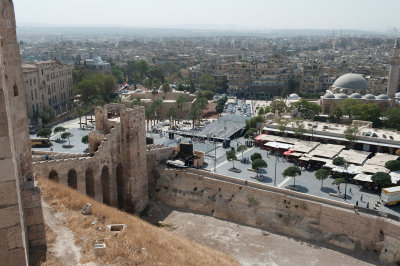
<point>356,95</point>
<point>369,97</point>
<point>351,83</point>
<point>294,96</point>
<point>328,96</point>
<point>138,91</point>
<point>382,97</point>
<point>340,96</point>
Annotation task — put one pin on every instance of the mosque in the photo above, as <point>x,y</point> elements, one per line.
<point>355,86</point>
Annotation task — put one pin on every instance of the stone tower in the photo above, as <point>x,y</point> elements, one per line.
<point>22,235</point>
<point>394,70</point>
<point>121,136</point>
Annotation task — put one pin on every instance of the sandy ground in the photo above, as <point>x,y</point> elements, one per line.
<point>251,246</point>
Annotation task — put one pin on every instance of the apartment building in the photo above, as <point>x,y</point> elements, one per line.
<point>47,84</point>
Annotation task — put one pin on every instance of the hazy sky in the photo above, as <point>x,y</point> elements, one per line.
<point>268,14</point>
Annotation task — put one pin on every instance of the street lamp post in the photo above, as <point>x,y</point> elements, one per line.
<point>276,161</point>
<point>215,155</point>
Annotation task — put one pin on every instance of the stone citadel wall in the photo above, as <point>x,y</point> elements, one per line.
<point>120,167</point>
<point>22,232</point>
<point>286,212</point>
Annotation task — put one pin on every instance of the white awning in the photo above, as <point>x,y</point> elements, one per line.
<point>363,177</point>
<point>278,145</point>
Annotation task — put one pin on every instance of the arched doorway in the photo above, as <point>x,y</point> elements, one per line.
<point>89,181</point>
<point>120,186</point>
<point>53,175</point>
<point>72,179</point>
<point>105,185</point>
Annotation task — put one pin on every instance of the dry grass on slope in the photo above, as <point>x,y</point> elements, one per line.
<point>142,243</point>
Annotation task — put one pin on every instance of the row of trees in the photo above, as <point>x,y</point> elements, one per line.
<point>368,112</point>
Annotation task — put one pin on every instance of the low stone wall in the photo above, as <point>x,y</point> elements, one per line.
<point>283,211</point>
<point>38,156</point>
<point>155,154</point>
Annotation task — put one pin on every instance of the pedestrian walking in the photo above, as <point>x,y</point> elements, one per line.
<point>361,197</point>
<point>367,205</point>
<point>357,203</point>
<point>350,191</point>
<point>338,188</point>
<point>51,148</point>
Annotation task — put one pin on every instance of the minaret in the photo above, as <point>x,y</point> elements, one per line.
<point>394,70</point>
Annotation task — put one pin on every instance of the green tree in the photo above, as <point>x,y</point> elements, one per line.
<point>338,181</point>
<point>292,171</point>
<point>117,72</point>
<point>261,111</point>
<point>300,129</point>
<point>207,82</point>
<point>307,109</point>
<point>259,163</point>
<point>278,106</point>
<point>241,148</point>
<point>351,133</point>
<point>59,129</point>
<point>85,139</point>
<point>157,107</point>
<point>219,108</point>
<point>149,114</point>
<point>166,88</point>
<point>195,113</point>
<point>44,133</point>
<point>255,156</point>
<point>382,179</point>
<point>67,135</point>
<point>321,174</point>
<point>282,124</point>
<point>393,165</point>
<point>336,115</point>
<point>179,103</point>
<point>338,161</point>
<point>252,123</point>
<point>172,114</point>
<point>135,102</point>
<point>392,118</point>
<point>231,156</point>
<point>209,95</point>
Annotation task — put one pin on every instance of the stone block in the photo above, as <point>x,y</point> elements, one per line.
<point>16,257</point>
<point>34,219</point>
<point>3,124</point>
<point>36,232</point>
<point>14,236</point>
<point>7,170</point>
<point>9,216</point>
<point>8,194</point>
<point>3,242</point>
<point>5,147</point>
<point>100,249</point>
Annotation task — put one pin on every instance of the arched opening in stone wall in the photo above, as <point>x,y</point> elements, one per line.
<point>105,185</point>
<point>53,175</point>
<point>72,179</point>
<point>120,186</point>
<point>89,181</point>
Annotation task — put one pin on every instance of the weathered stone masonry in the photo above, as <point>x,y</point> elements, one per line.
<point>22,233</point>
<point>287,212</point>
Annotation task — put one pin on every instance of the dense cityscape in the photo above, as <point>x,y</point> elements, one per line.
<point>179,146</point>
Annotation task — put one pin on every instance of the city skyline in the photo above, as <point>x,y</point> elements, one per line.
<point>223,14</point>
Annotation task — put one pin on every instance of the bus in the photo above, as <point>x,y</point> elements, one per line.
<point>40,143</point>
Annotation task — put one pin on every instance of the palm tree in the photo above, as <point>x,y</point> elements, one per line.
<point>179,104</point>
